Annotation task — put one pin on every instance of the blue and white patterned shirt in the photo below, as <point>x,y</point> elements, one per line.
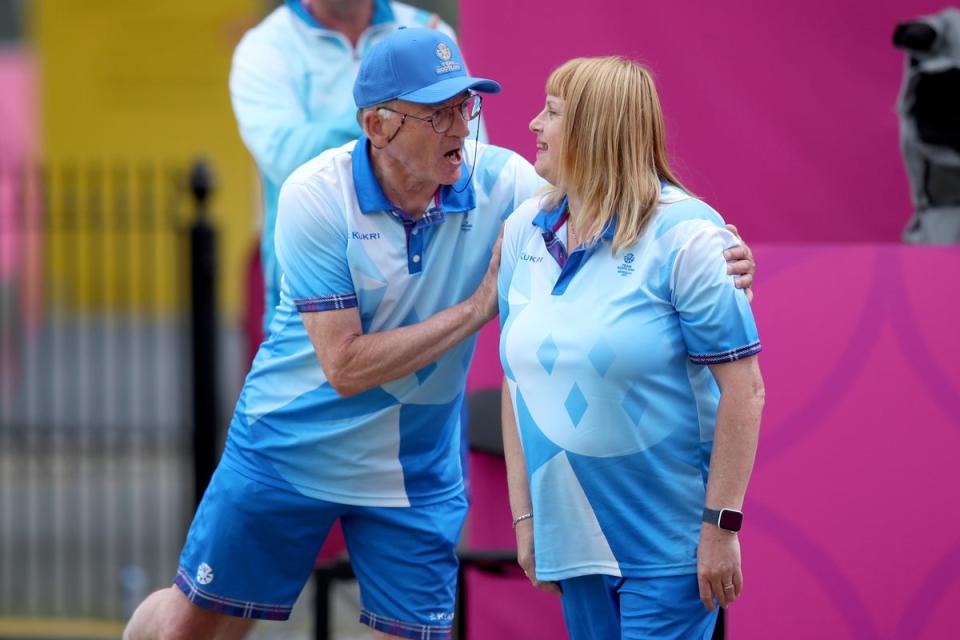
<point>606,361</point>
<point>342,244</point>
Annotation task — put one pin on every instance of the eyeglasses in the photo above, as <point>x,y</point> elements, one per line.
<point>442,119</point>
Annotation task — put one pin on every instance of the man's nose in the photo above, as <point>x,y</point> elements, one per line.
<point>460,126</point>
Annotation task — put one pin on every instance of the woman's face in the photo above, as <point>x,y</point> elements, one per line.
<point>547,127</point>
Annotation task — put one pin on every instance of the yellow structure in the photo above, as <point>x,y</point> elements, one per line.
<point>141,84</point>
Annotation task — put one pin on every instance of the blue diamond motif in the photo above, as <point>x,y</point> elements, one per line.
<point>424,373</point>
<point>547,354</point>
<point>635,405</point>
<point>602,356</point>
<point>575,404</point>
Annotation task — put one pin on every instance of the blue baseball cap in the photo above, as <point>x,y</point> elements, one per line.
<point>417,65</point>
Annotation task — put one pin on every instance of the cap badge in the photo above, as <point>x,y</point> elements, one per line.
<point>447,63</point>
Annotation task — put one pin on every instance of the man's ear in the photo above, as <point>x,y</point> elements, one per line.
<point>374,125</point>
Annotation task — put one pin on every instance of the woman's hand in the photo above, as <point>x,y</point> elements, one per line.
<point>526,560</point>
<point>718,566</point>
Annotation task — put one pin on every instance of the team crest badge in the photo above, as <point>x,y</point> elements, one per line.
<point>443,51</point>
<point>204,573</point>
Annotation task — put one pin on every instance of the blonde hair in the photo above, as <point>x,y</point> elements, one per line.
<point>613,153</point>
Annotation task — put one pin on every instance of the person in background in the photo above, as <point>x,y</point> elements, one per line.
<point>290,86</point>
<point>633,393</point>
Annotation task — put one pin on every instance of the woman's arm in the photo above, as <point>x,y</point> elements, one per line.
<point>519,492</point>
<point>734,450</point>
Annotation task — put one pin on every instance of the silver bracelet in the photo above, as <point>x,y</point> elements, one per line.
<point>520,518</point>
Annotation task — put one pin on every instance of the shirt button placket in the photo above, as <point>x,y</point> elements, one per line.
<point>415,246</point>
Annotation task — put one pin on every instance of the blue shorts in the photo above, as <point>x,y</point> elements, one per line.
<point>252,547</point>
<point>598,607</point>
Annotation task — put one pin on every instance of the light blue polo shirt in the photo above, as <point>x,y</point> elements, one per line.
<point>342,244</point>
<point>291,86</point>
<point>606,359</point>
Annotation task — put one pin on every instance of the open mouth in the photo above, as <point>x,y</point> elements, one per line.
<point>455,156</point>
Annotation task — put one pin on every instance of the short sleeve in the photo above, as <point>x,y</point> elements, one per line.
<point>311,245</point>
<point>716,320</point>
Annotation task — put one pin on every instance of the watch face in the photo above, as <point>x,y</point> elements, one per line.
<point>730,520</point>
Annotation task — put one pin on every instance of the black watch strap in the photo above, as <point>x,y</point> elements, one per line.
<point>728,519</point>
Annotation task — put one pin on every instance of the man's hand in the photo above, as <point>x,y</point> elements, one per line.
<point>484,299</point>
<point>740,263</point>
<point>718,566</point>
<point>526,560</point>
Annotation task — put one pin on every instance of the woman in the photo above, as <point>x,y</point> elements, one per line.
<point>631,363</point>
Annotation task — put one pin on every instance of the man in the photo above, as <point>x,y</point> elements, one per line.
<point>385,248</point>
<point>352,407</point>
<point>290,86</point>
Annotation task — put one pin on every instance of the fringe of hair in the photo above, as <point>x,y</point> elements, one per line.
<point>613,151</point>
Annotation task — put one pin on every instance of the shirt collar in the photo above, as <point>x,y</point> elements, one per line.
<point>382,13</point>
<point>550,220</point>
<point>371,197</point>
<point>610,229</point>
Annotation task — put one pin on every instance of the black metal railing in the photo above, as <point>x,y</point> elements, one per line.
<point>97,368</point>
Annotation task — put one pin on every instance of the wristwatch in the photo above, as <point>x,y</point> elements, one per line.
<point>728,519</point>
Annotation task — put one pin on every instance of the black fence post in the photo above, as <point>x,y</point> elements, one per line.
<point>203,311</point>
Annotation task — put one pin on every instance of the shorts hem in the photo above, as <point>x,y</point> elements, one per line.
<point>405,629</point>
<point>615,571</point>
<point>228,606</point>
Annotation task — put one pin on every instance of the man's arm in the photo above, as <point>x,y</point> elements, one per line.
<point>355,362</point>
<point>740,263</point>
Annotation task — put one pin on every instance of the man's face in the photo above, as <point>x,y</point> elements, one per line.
<point>428,156</point>
<point>342,9</point>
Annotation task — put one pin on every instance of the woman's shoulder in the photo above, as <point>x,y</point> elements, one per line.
<point>683,214</point>
<point>521,220</point>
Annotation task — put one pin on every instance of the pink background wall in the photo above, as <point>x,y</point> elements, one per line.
<point>852,526</point>
<point>781,115</point>
<point>18,108</point>
<point>18,103</point>
<point>20,250</point>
